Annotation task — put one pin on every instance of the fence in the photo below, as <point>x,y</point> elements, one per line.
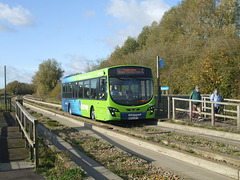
<point>5,106</point>
<point>208,109</point>
<point>28,126</point>
<point>226,109</point>
<point>166,105</point>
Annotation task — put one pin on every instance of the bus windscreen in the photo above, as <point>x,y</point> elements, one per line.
<point>130,85</point>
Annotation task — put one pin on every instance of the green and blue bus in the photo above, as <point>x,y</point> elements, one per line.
<point>113,93</point>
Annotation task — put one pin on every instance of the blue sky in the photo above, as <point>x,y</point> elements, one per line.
<point>75,32</point>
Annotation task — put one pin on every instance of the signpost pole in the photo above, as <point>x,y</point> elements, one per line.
<point>158,88</point>
<point>5,92</point>
<point>160,64</point>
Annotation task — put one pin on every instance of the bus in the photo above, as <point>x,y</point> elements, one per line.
<point>113,93</point>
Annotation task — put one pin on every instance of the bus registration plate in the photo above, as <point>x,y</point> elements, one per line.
<point>133,116</point>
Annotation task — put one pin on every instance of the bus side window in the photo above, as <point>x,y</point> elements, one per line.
<point>93,89</point>
<point>80,92</point>
<point>64,90</point>
<point>69,90</point>
<point>86,89</point>
<point>75,90</point>
<point>103,88</point>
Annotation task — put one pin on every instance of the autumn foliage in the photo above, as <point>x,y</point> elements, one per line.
<point>200,43</point>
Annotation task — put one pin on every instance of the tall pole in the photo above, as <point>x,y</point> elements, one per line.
<point>5,92</point>
<point>158,90</point>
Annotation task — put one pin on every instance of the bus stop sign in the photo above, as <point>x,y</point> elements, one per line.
<point>161,63</point>
<point>164,88</point>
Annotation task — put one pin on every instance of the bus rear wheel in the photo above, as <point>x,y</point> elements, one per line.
<point>69,109</point>
<point>93,114</point>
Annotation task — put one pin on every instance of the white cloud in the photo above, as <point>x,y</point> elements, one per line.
<point>121,35</point>
<point>138,14</point>
<point>16,16</point>
<point>16,74</point>
<point>135,15</point>
<point>77,64</point>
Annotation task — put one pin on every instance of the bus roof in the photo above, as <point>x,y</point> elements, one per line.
<point>93,74</point>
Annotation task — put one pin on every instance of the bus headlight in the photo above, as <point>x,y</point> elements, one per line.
<point>151,109</point>
<point>112,111</point>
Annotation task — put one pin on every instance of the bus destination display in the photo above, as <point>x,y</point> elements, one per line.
<point>130,71</point>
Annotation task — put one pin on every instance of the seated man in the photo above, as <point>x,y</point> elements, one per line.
<point>113,91</point>
<point>196,95</point>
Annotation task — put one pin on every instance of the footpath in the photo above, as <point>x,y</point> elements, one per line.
<point>13,154</point>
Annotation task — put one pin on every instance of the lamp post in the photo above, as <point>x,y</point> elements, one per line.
<point>5,92</point>
<point>160,64</point>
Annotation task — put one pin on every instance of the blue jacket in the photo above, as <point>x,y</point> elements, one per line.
<point>216,98</point>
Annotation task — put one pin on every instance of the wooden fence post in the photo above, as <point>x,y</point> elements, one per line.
<point>25,127</point>
<point>190,109</point>
<point>169,107</point>
<point>35,134</point>
<point>31,137</point>
<point>173,106</point>
<point>17,116</point>
<point>212,114</point>
<point>204,106</point>
<point>238,117</point>
<point>28,125</point>
<point>22,122</point>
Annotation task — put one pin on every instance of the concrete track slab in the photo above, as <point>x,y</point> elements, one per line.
<point>188,171</point>
<point>94,169</point>
<point>200,132</point>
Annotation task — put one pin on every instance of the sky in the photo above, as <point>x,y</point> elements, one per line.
<point>74,33</point>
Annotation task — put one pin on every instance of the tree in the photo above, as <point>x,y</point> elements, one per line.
<point>92,66</point>
<point>221,69</point>
<point>56,92</point>
<point>19,88</point>
<point>200,42</point>
<point>130,46</point>
<point>143,36</point>
<point>47,77</point>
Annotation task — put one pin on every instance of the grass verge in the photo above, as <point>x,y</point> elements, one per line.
<point>52,164</point>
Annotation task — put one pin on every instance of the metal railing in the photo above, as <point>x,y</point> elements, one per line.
<point>28,126</point>
<point>166,105</point>
<point>5,106</point>
<point>207,110</point>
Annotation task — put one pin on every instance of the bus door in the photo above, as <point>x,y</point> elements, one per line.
<point>101,107</point>
<point>74,103</point>
<point>75,90</point>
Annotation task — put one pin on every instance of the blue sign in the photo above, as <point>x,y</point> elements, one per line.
<point>164,88</point>
<point>161,63</point>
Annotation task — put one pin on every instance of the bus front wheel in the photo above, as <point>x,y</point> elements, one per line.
<point>93,114</point>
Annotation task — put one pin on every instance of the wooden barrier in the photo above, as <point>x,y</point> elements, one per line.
<point>225,110</point>
<point>205,107</point>
<point>28,126</point>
